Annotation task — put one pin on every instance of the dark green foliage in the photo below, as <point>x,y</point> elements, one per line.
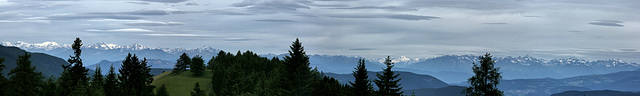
<point>49,87</point>
<point>197,65</point>
<point>299,74</point>
<point>485,80</point>
<point>97,83</point>
<point>245,73</point>
<point>361,85</point>
<point>24,81</point>
<point>329,86</point>
<point>386,82</point>
<point>73,79</point>
<point>182,63</point>
<point>162,91</point>
<point>197,91</point>
<point>135,78</point>
<point>111,83</point>
<point>3,80</point>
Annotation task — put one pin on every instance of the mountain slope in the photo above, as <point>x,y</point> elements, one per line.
<point>597,93</point>
<point>409,80</point>
<point>443,91</point>
<point>181,84</point>
<point>47,64</point>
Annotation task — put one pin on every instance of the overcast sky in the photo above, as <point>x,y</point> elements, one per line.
<point>588,29</point>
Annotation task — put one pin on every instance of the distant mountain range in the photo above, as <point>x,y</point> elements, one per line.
<point>47,64</point>
<point>409,80</point>
<point>448,68</point>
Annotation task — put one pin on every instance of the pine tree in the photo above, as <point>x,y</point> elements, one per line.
<point>3,80</point>
<point>50,86</point>
<point>162,91</point>
<point>135,78</point>
<point>486,79</point>
<point>386,82</point>
<point>197,65</point>
<point>111,83</point>
<point>182,63</point>
<point>24,81</point>
<point>97,83</point>
<point>73,79</point>
<point>298,70</point>
<point>197,91</point>
<point>362,85</point>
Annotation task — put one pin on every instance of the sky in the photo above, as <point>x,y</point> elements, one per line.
<point>587,29</point>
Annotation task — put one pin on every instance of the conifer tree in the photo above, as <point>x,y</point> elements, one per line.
<point>162,91</point>
<point>386,82</point>
<point>111,83</point>
<point>298,70</point>
<point>3,80</point>
<point>73,79</point>
<point>197,91</point>
<point>362,85</point>
<point>97,83</point>
<point>24,81</point>
<point>50,87</point>
<point>486,79</point>
<point>197,65</point>
<point>135,78</point>
<point>182,63</point>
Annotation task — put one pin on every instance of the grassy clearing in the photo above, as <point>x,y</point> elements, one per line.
<point>182,84</point>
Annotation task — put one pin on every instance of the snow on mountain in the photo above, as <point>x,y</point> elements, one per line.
<point>48,45</point>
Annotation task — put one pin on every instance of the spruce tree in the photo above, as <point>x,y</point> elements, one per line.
<point>50,87</point>
<point>197,91</point>
<point>111,83</point>
<point>362,85</point>
<point>386,82</point>
<point>197,65</point>
<point>162,91</point>
<point>298,70</point>
<point>24,81</point>
<point>3,80</point>
<point>97,83</point>
<point>182,63</point>
<point>135,78</point>
<point>73,79</point>
<point>486,79</point>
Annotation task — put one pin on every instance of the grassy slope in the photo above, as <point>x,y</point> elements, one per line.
<point>182,84</point>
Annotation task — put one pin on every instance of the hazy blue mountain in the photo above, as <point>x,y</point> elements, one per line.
<point>442,91</point>
<point>448,68</point>
<point>597,93</point>
<point>47,64</point>
<point>409,80</point>
<point>154,63</point>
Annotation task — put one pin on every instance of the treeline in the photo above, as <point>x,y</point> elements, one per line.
<point>133,79</point>
<point>242,74</point>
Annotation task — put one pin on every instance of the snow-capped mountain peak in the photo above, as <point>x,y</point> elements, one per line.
<point>48,45</point>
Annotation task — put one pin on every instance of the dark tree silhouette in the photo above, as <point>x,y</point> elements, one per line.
<point>362,85</point>
<point>386,82</point>
<point>162,91</point>
<point>3,80</point>
<point>97,83</point>
<point>486,79</point>
<point>182,63</point>
<point>73,79</point>
<point>111,83</point>
<point>197,65</point>
<point>299,72</point>
<point>24,81</point>
<point>135,77</point>
<point>197,91</point>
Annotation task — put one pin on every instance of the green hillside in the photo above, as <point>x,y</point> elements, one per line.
<point>182,84</point>
<point>47,64</point>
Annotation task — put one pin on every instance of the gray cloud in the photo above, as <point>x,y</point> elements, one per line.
<point>272,6</point>
<point>223,12</point>
<point>468,4</point>
<point>613,23</point>
<point>496,23</point>
<point>192,4</point>
<point>362,49</point>
<point>157,12</point>
<point>393,16</point>
<point>154,24</point>
<point>392,8</point>
<point>274,20</point>
<point>165,1</point>
<point>239,39</point>
<point>141,3</point>
<point>90,16</point>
